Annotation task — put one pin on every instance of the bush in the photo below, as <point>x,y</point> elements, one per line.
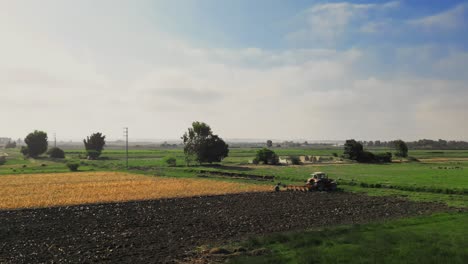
<point>383,157</point>
<point>170,161</point>
<point>56,153</point>
<point>335,154</point>
<point>295,160</point>
<point>2,160</point>
<point>366,157</point>
<point>267,156</point>
<point>73,166</point>
<point>25,151</point>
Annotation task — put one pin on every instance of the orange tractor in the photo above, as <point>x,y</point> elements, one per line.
<point>318,182</point>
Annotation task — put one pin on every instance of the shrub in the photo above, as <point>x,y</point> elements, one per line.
<point>383,157</point>
<point>25,151</point>
<point>335,154</point>
<point>170,161</point>
<point>295,160</point>
<point>366,156</point>
<point>267,156</point>
<point>2,160</point>
<point>56,153</point>
<point>73,166</point>
<point>255,161</point>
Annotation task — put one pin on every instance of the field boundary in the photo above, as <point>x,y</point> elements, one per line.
<point>461,191</point>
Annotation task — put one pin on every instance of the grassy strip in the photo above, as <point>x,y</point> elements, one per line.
<point>461,191</point>
<point>449,199</point>
<point>431,239</point>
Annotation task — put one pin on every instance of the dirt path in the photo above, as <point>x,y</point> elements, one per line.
<point>164,230</point>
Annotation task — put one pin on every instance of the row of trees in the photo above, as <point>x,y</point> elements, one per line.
<point>201,145</point>
<point>37,144</point>
<point>354,150</point>
<point>420,144</point>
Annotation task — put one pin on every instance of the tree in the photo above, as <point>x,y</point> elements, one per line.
<point>353,150</point>
<point>73,165</point>
<point>56,153</point>
<point>269,143</point>
<point>94,145</point>
<point>401,148</point>
<point>267,156</point>
<point>202,145</point>
<point>295,160</point>
<point>36,144</point>
<point>170,161</point>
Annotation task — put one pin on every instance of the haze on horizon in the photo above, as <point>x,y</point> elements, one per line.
<point>250,69</point>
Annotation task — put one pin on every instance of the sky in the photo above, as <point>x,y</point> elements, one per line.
<point>317,70</point>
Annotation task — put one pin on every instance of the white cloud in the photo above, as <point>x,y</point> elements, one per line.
<point>447,20</point>
<point>327,23</point>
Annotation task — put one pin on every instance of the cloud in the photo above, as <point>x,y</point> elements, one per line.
<point>327,23</point>
<point>447,20</point>
<point>102,78</point>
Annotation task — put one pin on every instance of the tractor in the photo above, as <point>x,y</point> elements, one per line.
<point>318,182</point>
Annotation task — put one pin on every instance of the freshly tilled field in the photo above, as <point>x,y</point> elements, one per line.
<point>165,230</point>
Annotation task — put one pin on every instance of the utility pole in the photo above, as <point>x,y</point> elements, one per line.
<point>126,145</point>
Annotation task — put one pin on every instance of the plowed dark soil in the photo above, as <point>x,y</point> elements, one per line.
<point>164,230</point>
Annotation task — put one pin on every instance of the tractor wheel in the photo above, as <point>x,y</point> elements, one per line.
<point>320,187</point>
<point>333,187</point>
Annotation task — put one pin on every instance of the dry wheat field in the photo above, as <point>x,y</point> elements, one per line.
<point>55,189</point>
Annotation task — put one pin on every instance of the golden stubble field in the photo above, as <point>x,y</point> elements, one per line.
<point>56,189</point>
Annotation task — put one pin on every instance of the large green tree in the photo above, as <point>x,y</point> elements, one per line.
<point>267,156</point>
<point>401,148</point>
<point>36,144</point>
<point>94,145</point>
<point>201,145</point>
<point>353,150</point>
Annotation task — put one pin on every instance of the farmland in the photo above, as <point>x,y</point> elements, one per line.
<point>124,214</point>
<point>44,190</point>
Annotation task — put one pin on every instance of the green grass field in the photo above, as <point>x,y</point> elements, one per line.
<point>434,239</point>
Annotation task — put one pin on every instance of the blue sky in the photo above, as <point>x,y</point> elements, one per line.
<point>251,69</point>
<point>264,23</point>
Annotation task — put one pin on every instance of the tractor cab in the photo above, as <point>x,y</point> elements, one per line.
<point>319,175</point>
<point>316,176</point>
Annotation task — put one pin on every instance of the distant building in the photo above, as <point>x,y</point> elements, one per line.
<point>4,140</point>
